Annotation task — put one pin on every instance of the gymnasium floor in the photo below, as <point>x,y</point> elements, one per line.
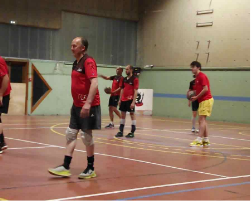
<point>157,164</point>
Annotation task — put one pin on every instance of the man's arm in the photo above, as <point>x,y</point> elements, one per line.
<point>92,92</point>
<point>205,89</point>
<point>135,96</point>
<point>105,77</point>
<point>121,93</point>
<point>117,90</point>
<point>5,83</point>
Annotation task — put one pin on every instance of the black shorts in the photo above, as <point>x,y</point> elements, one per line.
<point>195,106</point>
<point>93,122</point>
<point>5,106</point>
<point>113,101</point>
<point>125,106</point>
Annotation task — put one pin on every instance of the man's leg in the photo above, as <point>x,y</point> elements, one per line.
<point>117,112</point>
<point>133,127</point>
<point>71,141</point>
<point>202,122</point>
<point>111,124</point>
<point>122,125</point>
<point>87,139</point>
<point>194,121</point>
<point>205,140</point>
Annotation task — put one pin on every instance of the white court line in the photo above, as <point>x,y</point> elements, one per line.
<point>214,136</point>
<point>130,159</point>
<point>149,187</point>
<point>29,148</point>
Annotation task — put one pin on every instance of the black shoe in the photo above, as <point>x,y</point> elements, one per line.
<point>110,125</point>
<point>119,134</point>
<point>3,146</point>
<point>130,135</point>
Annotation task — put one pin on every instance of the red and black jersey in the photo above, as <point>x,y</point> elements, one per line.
<point>4,71</point>
<point>128,86</point>
<point>117,82</point>
<point>82,72</point>
<point>192,86</point>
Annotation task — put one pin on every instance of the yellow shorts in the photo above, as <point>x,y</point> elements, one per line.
<point>205,107</point>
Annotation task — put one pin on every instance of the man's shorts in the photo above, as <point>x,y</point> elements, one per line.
<point>126,106</point>
<point>5,107</point>
<point>93,122</point>
<point>113,101</point>
<point>205,107</point>
<point>195,106</point>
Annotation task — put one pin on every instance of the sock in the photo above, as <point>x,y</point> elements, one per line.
<point>133,126</point>
<point>205,139</point>
<point>194,121</point>
<point>111,123</point>
<point>67,162</point>
<point>199,139</point>
<point>90,161</point>
<point>1,137</point>
<point>122,125</point>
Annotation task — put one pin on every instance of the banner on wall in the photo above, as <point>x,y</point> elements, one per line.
<point>144,102</point>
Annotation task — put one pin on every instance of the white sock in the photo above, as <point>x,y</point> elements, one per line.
<point>134,122</point>
<point>199,139</point>
<point>111,123</point>
<point>194,121</point>
<point>206,139</point>
<point>122,121</point>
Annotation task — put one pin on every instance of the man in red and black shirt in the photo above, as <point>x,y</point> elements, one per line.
<point>115,93</point>
<point>5,89</point>
<point>206,101</point>
<point>85,112</point>
<point>127,100</point>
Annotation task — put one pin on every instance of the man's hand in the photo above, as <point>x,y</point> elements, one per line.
<point>132,106</point>
<point>194,98</point>
<point>1,101</point>
<point>119,102</point>
<point>189,104</point>
<point>85,111</point>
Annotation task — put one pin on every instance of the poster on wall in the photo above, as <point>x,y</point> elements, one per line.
<point>144,102</point>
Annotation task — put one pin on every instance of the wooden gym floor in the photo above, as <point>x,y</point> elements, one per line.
<point>157,164</point>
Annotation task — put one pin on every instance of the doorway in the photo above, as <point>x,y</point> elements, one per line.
<point>18,71</point>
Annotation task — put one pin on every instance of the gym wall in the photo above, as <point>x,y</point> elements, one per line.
<point>168,36</point>
<point>59,99</point>
<point>169,39</point>
<point>111,41</point>
<point>47,13</point>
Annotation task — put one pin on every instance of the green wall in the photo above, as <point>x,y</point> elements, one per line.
<point>223,83</point>
<point>59,100</point>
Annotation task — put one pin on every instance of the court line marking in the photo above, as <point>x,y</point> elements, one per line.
<point>120,157</point>
<point>149,187</point>
<point>172,152</point>
<point>214,136</point>
<point>185,191</point>
<point>183,153</point>
<point>18,148</point>
<point>211,124</point>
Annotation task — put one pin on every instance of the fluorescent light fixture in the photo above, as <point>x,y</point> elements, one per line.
<point>13,22</point>
<point>204,24</point>
<point>201,12</point>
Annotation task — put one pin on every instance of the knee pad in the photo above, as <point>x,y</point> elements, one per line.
<point>87,138</point>
<point>71,134</point>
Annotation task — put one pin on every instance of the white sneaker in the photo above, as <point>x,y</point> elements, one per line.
<point>197,131</point>
<point>193,130</point>
<point>87,174</point>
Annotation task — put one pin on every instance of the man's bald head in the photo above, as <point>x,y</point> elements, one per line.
<point>79,46</point>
